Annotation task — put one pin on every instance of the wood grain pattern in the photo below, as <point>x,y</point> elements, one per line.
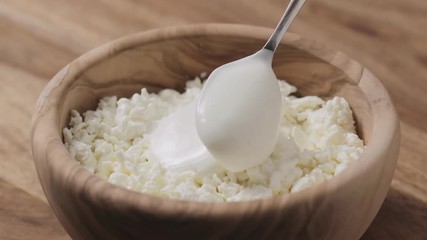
<point>22,220</point>
<point>91,208</point>
<point>40,37</point>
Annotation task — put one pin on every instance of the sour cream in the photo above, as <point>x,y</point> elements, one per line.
<point>238,113</point>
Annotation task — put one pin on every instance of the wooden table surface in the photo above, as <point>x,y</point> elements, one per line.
<point>38,37</point>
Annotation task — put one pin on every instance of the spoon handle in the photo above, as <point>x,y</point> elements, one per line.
<point>286,20</point>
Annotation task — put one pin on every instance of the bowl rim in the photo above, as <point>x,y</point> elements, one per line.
<point>46,113</point>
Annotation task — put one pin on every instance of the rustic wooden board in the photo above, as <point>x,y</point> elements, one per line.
<point>39,37</point>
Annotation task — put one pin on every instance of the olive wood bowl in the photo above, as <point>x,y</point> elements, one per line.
<point>89,207</point>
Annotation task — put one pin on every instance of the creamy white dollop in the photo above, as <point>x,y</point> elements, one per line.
<point>316,140</point>
<point>176,144</point>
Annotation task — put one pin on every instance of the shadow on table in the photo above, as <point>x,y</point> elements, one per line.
<point>400,217</point>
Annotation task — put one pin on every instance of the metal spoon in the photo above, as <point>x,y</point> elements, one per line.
<point>238,113</point>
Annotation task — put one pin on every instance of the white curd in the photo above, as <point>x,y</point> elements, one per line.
<point>316,140</point>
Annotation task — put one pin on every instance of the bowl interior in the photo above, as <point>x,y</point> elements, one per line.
<point>168,63</point>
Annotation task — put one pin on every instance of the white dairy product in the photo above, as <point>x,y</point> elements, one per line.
<point>316,141</point>
<point>176,144</point>
<point>238,114</point>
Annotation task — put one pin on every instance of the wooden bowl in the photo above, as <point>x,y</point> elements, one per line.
<point>91,208</point>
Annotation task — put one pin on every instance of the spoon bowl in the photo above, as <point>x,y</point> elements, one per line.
<point>239,110</point>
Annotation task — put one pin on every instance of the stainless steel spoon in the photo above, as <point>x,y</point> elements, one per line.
<point>238,113</point>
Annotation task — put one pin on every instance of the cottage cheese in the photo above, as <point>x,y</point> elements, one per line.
<point>317,140</point>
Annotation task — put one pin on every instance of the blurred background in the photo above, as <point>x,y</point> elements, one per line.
<point>39,37</point>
